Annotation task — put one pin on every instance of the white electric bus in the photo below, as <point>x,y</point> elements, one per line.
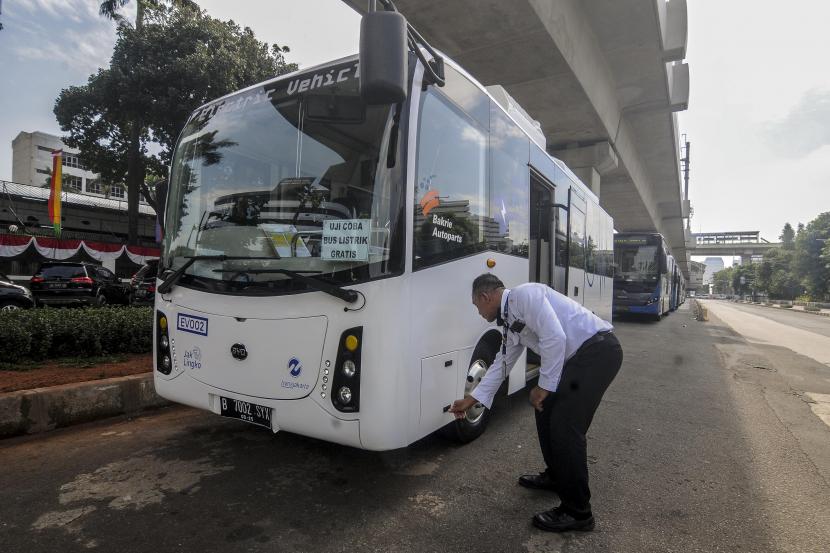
<point>319,251</point>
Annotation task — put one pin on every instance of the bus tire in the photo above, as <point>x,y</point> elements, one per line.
<point>472,426</point>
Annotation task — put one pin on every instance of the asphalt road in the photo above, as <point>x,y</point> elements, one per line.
<point>693,449</point>
<point>795,319</point>
<point>802,333</point>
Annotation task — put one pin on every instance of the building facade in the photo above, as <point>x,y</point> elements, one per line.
<point>32,165</point>
<point>93,214</point>
<point>713,265</point>
<point>696,272</point>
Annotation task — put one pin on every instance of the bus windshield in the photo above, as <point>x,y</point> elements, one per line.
<point>285,178</point>
<point>637,265</point>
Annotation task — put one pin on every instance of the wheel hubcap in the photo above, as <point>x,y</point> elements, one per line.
<point>9,308</point>
<point>474,376</point>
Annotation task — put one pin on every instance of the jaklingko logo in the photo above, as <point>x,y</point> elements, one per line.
<point>295,367</point>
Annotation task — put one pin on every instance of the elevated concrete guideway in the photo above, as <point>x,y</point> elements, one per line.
<point>603,77</point>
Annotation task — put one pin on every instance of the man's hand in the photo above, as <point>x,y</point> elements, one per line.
<point>537,396</point>
<point>459,406</point>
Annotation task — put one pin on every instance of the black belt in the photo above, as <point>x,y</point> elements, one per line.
<point>598,337</point>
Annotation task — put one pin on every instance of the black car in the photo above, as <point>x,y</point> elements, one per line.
<point>58,283</point>
<point>143,284</point>
<point>14,296</point>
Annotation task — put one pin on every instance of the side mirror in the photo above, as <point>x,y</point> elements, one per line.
<point>383,55</point>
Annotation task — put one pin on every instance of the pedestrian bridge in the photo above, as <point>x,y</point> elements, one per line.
<point>743,243</point>
<point>604,78</point>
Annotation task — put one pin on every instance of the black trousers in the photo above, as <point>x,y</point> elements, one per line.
<point>567,415</point>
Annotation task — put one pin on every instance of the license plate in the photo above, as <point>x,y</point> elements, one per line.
<point>140,293</point>
<point>246,411</point>
<point>57,285</point>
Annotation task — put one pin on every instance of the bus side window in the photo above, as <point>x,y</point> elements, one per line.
<point>577,253</point>
<point>560,260</point>
<point>450,185</point>
<point>510,185</point>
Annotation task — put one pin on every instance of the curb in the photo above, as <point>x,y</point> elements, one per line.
<point>45,409</point>
<point>776,306</point>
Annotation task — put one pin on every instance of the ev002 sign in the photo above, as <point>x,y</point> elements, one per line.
<point>192,324</point>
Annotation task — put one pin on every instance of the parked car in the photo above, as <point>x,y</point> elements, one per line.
<point>13,296</point>
<point>143,284</point>
<point>62,283</point>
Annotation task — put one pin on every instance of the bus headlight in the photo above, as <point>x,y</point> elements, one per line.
<point>351,342</point>
<point>345,395</point>
<point>349,369</point>
<point>164,365</point>
<point>345,379</point>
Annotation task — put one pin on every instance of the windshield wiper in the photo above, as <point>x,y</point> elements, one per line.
<point>349,296</point>
<point>168,283</point>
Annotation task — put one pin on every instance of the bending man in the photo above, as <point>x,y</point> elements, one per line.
<point>580,357</point>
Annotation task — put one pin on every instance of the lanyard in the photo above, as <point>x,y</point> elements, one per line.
<point>504,340</point>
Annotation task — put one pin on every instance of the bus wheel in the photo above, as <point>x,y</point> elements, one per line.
<point>475,422</point>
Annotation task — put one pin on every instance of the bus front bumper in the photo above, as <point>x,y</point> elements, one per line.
<point>301,416</point>
<point>651,309</point>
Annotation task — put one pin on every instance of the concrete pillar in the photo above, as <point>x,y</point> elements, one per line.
<point>589,163</point>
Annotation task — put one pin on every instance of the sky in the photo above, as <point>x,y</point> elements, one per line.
<point>49,45</point>
<point>758,117</point>
<point>759,114</point>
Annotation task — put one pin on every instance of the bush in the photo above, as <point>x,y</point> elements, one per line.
<point>15,339</point>
<point>50,333</point>
<point>41,330</point>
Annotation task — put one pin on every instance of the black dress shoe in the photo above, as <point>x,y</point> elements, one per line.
<point>541,481</point>
<point>557,520</point>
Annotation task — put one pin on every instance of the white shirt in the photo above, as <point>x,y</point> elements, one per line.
<point>555,327</point>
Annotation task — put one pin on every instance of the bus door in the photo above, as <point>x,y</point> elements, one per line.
<point>576,248</point>
<point>542,229</point>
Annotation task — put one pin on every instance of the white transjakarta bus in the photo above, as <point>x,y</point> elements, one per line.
<point>320,250</point>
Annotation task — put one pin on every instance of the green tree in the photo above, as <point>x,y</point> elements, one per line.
<point>787,237</point>
<point>135,168</point>
<point>743,279</point>
<point>109,9</point>
<point>175,59</point>
<point>722,281</point>
<point>775,274</point>
<point>810,265</point>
